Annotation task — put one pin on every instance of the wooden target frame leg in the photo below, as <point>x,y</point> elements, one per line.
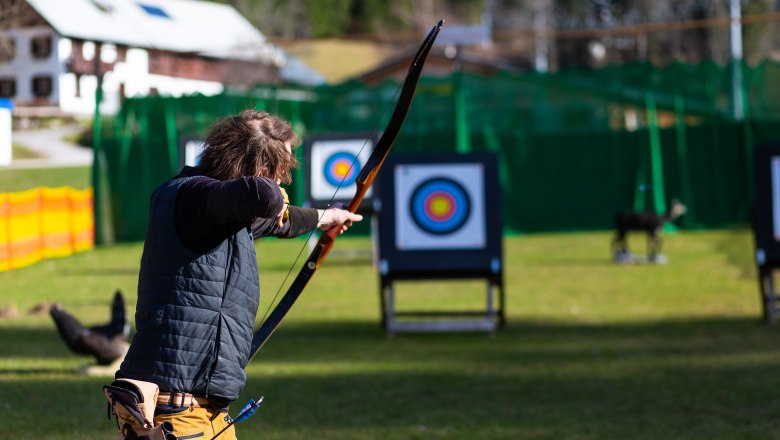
<point>499,283</point>
<point>768,295</point>
<point>386,303</point>
<point>490,306</point>
<point>495,304</point>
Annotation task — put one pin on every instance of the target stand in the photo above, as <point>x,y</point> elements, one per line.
<point>766,225</point>
<point>440,220</point>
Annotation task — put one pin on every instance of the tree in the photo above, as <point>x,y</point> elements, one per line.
<point>758,37</point>
<point>570,32</point>
<point>13,14</point>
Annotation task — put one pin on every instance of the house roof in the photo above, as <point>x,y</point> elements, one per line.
<point>190,26</point>
<point>296,71</point>
<point>438,64</point>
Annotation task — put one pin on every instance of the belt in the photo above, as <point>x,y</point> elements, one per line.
<point>178,400</point>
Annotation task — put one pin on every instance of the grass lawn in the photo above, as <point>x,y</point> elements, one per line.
<point>592,350</point>
<point>20,152</point>
<point>12,179</point>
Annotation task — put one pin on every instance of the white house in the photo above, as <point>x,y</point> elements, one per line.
<point>141,47</point>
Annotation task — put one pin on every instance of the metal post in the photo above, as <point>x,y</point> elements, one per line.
<point>682,151</point>
<point>171,136</point>
<point>656,161</point>
<point>101,207</point>
<point>462,134</point>
<point>298,176</point>
<point>541,63</point>
<point>738,99</point>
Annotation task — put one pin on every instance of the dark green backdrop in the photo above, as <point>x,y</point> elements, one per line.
<point>574,146</point>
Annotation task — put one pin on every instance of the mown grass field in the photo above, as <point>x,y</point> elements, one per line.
<point>13,180</point>
<point>592,350</point>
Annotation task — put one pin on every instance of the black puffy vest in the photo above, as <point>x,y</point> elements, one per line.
<point>195,313</point>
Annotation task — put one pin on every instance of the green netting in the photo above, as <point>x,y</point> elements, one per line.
<point>574,146</point>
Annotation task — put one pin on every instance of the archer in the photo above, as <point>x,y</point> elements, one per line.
<point>171,272</point>
<point>198,286</point>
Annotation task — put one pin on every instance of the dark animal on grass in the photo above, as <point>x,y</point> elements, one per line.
<point>107,342</point>
<point>649,222</point>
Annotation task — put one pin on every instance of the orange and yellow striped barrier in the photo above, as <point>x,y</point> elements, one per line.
<point>44,223</point>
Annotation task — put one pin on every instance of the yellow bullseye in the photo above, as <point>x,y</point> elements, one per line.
<point>440,206</point>
<point>342,169</point>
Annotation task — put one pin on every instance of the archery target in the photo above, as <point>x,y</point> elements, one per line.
<point>335,165</point>
<point>440,206</point>
<point>775,176</point>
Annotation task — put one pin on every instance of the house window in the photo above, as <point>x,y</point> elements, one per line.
<point>42,86</point>
<point>108,53</point>
<point>88,50</point>
<point>7,87</point>
<point>41,47</point>
<point>154,10</point>
<point>7,49</point>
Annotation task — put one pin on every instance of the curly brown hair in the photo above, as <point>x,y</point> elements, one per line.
<point>250,144</point>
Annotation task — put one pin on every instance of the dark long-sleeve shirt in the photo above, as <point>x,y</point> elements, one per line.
<point>210,210</point>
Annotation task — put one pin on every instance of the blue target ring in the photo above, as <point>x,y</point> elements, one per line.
<point>440,206</point>
<point>341,169</point>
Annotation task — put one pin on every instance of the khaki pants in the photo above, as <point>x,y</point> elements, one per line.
<point>199,423</point>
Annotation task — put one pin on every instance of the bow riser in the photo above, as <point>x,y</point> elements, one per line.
<point>326,242</point>
<point>361,188</point>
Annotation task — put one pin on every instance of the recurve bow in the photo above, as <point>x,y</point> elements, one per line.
<point>363,183</point>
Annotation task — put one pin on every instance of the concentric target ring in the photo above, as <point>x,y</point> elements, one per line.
<point>440,206</point>
<point>341,168</point>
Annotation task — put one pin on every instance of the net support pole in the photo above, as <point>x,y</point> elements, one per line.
<point>735,12</point>
<point>682,151</point>
<point>462,135</point>
<point>171,136</point>
<point>656,158</point>
<point>101,205</point>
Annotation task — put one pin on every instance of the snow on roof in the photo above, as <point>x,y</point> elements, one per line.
<point>188,26</point>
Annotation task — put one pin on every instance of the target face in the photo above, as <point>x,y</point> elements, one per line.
<point>341,168</point>
<point>440,206</point>
<point>775,176</point>
<point>335,166</point>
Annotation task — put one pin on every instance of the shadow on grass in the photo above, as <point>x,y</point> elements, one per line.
<point>706,378</point>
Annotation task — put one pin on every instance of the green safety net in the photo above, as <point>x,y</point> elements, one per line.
<point>574,147</point>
